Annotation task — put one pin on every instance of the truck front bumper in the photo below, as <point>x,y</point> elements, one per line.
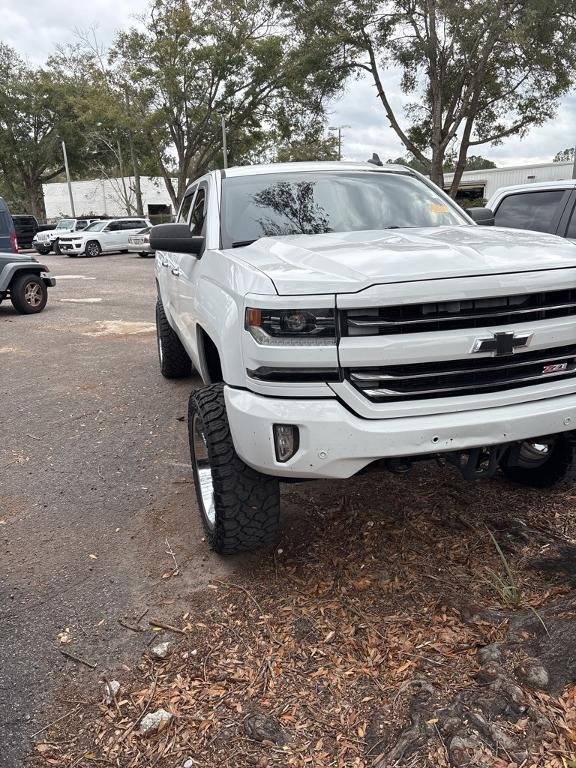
<point>334,442</point>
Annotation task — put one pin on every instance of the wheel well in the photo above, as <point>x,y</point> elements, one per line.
<point>211,358</point>
<point>23,271</point>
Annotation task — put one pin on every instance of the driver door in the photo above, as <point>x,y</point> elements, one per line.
<point>187,271</point>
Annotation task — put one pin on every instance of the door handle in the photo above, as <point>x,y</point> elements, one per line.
<point>175,271</point>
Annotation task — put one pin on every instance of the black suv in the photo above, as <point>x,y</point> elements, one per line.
<point>26,227</point>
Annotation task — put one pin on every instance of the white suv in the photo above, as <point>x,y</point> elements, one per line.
<point>344,316</point>
<point>49,239</point>
<point>102,237</point>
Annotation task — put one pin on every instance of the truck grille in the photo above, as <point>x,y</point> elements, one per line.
<point>463,377</point>
<point>452,315</point>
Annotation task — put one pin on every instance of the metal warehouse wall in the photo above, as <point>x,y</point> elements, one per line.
<point>102,197</point>
<point>494,178</point>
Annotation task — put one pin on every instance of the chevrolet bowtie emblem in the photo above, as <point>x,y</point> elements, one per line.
<point>501,344</point>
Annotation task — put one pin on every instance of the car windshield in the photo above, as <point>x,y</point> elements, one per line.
<point>273,205</point>
<point>98,226</point>
<point>65,224</point>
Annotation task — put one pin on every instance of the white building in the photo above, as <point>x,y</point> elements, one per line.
<point>483,184</point>
<point>107,197</point>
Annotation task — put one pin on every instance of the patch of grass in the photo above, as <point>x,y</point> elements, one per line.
<point>505,584</point>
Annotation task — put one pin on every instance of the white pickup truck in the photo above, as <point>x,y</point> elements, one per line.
<point>345,316</point>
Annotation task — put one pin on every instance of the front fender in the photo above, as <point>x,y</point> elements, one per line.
<point>9,270</point>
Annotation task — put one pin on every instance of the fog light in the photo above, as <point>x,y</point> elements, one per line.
<point>286,441</point>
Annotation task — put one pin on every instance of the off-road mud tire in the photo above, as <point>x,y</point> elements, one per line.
<point>559,470</point>
<point>174,360</point>
<point>246,502</point>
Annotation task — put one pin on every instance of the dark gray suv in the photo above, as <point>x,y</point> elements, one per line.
<point>8,240</point>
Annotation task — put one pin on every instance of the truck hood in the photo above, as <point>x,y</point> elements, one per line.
<point>352,261</point>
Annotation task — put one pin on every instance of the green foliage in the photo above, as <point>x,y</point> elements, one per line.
<point>566,155</point>
<point>473,163</point>
<point>192,63</point>
<point>475,72</point>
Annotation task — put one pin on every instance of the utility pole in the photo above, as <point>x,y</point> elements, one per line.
<point>68,179</point>
<point>121,167</point>
<point>224,147</point>
<point>339,129</point>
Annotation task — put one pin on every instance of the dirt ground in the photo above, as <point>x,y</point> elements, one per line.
<point>372,635</point>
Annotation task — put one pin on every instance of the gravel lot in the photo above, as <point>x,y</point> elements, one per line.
<point>94,479</point>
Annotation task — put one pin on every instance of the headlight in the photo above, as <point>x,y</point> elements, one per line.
<point>292,326</point>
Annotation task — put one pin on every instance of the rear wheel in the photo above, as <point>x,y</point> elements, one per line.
<point>542,463</point>
<point>239,507</point>
<point>174,360</point>
<point>92,248</point>
<point>28,294</point>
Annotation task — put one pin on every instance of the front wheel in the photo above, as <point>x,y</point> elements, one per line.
<point>42,250</point>
<point>173,358</point>
<point>93,248</point>
<point>542,463</point>
<point>56,247</point>
<point>28,294</point>
<point>239,507</point>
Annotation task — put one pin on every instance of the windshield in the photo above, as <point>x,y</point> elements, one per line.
<point>98,226</point>
<point>273,205</point>
<point>65,224</point>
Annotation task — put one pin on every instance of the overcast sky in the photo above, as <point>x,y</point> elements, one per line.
<point>34,27</point>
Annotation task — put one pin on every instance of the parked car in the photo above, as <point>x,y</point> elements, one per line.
<point>548,206</point>
<point>24,281</point>
<point>139,242</point>
<point>49,239</point>
<point>105,236</point>
<point>8,240</point>
<point>345,316</point>
<point>26,228</point>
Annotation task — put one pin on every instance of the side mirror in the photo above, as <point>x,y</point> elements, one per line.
<point>175,238</point>
<point>482,216</point>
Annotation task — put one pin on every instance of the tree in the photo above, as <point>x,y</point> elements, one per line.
<point>478,71</point>
<point>565,156</point>
<point>473,163</point>
<point>191,63</point>
<point>36,114</point>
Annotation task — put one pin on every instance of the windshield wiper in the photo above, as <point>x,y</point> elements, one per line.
<point>241,243</point>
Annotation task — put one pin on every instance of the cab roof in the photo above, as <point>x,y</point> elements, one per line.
<point>305,167</point>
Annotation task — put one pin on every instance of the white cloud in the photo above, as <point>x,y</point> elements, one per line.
<point>35,27</point>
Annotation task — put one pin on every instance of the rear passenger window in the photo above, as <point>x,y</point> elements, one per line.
<point>529,210</point>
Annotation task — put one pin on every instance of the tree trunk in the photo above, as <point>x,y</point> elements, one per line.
<point>462,156</point>
<point>437,167</point>
<point>136,172</point>
<point>35,199</point>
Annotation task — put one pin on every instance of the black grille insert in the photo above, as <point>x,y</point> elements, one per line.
<point>471,376</point>
<point>465,313</point>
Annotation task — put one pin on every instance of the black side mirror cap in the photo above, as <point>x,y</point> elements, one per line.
<point>482,216</point>
<point>175,238</point>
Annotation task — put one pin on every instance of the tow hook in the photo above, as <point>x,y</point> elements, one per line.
<point>478,463</point>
